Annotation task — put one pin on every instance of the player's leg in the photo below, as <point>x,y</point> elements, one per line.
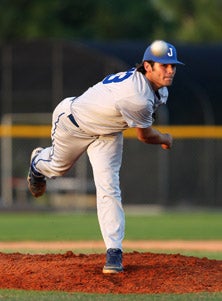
<point>68,144</point>
<point>105,155</point>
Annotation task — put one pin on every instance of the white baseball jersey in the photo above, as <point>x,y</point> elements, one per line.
<point>120,101</point>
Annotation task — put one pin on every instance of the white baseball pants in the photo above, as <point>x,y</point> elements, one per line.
<point>105,154</point>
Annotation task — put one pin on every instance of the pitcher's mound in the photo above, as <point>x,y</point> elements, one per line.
<point>143,273</point>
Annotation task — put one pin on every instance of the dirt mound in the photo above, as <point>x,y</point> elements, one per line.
<point>143,273</point>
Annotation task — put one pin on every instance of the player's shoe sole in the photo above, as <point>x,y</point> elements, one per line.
<point>112,270</point>
<point>36,183</point>
<point>113,262</point>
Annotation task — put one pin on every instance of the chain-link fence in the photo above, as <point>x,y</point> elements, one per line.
<point>187,175</point>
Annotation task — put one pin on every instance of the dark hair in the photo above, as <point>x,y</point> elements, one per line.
<point>140,67</point>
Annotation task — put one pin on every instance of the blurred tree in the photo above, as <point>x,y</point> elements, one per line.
<point>124,19</point>
<point>189,20</point>
<point>25,19</point>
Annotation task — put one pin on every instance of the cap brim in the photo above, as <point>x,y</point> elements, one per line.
<point>168,61</point>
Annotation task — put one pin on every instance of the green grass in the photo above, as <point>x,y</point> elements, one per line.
<point>71,226</point>
<point>165,226</point>
<point>74,227</point>
<point>187,226</point>
<point>16,295</point>
<point>48,227</point>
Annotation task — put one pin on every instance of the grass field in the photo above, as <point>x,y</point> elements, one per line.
<point>69,227</point>
<point>76,227</point>
<point>15,295</point>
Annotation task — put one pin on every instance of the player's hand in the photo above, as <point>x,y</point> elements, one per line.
<point>168,142</point>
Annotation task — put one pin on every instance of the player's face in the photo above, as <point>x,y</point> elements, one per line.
<point>161,75</point>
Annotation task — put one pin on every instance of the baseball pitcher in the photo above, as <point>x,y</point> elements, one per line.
<point>94,123</point>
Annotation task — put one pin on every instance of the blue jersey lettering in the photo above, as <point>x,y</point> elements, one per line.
<point>113,78</point>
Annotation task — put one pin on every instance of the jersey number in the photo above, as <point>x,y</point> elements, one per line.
<point>113,78</point>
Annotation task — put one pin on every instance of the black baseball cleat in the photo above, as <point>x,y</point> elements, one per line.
<point>113,261</point>
<point>36,181</point>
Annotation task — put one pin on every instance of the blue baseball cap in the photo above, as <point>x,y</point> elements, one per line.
<point>170,57</point>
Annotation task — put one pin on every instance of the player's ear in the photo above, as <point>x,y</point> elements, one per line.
<point>147,66</point>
